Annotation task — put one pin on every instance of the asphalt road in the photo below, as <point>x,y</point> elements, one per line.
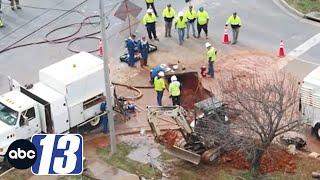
<point>265,23</point>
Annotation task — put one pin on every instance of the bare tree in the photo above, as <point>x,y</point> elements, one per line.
<point>267,106</point>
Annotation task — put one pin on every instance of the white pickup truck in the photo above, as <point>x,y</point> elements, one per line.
<point>68,95</point>
<point>310,100</point>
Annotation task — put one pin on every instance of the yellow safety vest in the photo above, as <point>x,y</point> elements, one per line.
<point>212,54</point>
<point>180,24</point>
<point>168,14</point>
<point>202,17</point>
<point>190,15</point>
<point>1,23</point>
<point>149,19</point>
<point>150,1</point>
<point>234,21</point>
<point>159,84</point>
<point>174,88</point>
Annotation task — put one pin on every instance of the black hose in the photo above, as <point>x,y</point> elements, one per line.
<point>68,38</point>
<point>10,47</point>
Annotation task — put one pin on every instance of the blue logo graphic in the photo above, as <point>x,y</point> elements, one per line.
<point>58,154</point>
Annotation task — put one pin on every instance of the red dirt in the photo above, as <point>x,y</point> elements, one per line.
<point>192,90</point>
<point>169,138</point>
<point>273,160</point>
<point>100,142</point>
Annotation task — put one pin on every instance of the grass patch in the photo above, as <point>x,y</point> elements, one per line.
<point>16,174</point>
<point>305,6</point>
<point>121,161</point>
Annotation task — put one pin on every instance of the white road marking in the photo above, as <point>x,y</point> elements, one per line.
<point>308,62</point>
<point>305,46</point>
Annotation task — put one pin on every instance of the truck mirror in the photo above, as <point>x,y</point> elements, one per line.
<point>26,120</point>
<point>23,121</point>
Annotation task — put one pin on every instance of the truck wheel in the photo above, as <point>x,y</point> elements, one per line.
<point>316,130</point>
<point>95,122</point>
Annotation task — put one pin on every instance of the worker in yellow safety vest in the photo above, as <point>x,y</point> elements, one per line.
<point>212,56</point>
<point>159,87</point>
<point>175,91</point>
<point>150,3</point>
<point>181,24</point>
<point>191,16</point>
<point>168,14</point>
<point>202,21</point>
<point>149,20</point>
<point>235,23</point>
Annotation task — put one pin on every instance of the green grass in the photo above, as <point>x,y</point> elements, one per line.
<point>121,161</point>
<point>305,6</point>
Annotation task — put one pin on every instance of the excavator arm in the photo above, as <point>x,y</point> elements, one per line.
<point>179,115</point>
<point>175,112</point>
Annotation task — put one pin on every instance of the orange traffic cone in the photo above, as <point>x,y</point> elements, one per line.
<point>282,51</point>
<point>225,39</point>
<point>100,49</point>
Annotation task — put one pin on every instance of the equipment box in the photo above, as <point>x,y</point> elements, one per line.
<point>79,77</point>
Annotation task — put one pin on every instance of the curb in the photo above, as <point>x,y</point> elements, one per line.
<point>291,9</point>
<point>313,16</point>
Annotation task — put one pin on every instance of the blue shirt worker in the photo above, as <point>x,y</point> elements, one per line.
<point>175,90</point>
<point>104,118</point>
<point>144,51</point>
<point>154,72</point>
<point>131,46</point>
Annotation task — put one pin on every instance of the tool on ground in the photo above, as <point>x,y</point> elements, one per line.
<point>188,143</point>
<point>225,39</point>
<point>282,51</point>
<point>100,49</point>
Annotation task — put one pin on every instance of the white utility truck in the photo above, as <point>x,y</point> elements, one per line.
<point>310,100</point>
<point>68,95</point>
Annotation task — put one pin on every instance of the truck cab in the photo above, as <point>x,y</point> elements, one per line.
<point>19,119</point>
<point>310,100</point>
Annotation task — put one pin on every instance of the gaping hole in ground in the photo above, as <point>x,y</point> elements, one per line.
<point>192,90</point>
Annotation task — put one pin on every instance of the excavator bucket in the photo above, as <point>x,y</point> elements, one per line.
<point>184,154</point>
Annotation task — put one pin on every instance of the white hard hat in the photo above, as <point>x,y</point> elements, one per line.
<point>161,74</point>
<point>174,78</point>
<point>180,14</point>
<point>149,10</point>
<point>208,44</point>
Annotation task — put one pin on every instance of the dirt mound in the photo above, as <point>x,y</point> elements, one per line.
<point>273,160</point>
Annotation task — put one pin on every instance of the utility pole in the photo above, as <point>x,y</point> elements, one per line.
<point>107,79</point>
